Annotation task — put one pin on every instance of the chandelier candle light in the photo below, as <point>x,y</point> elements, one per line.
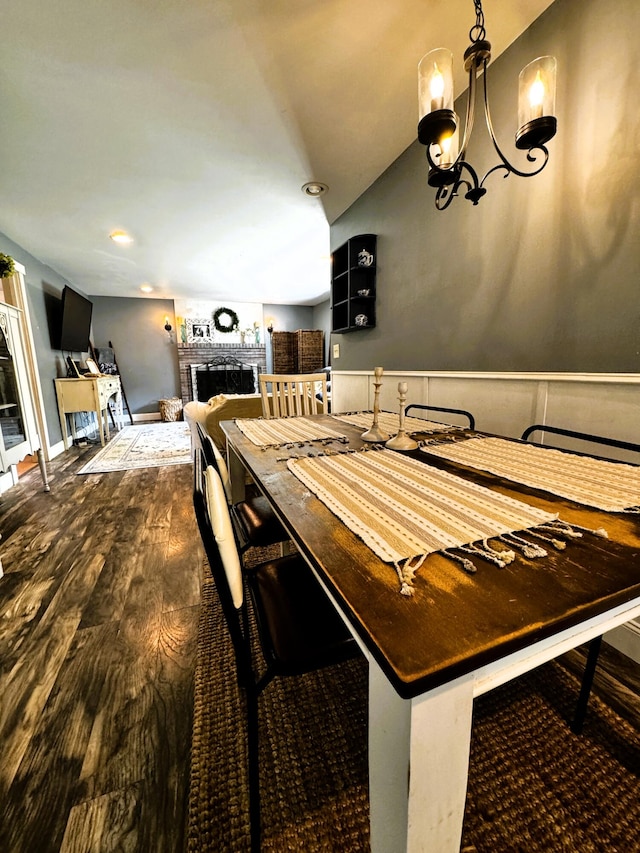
<point>376,433</point>
<point>402,441</point>
<point>438,129</point>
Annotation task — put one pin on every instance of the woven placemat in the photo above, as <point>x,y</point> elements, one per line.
<point>534,786</point>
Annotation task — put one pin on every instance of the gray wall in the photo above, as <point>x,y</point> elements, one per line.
<point>543,274</point>
<point>147,357</point>
<point>322,320</point>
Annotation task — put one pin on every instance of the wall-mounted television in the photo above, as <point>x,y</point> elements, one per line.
<point>75,327</point>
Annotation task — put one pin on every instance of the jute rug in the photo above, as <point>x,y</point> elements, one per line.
<point>143,446</point>
<point>533,785</point>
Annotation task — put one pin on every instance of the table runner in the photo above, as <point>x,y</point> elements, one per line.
<point>274,432</point>
<point>404,510</point>
<point>611,486</point>
<point>390,422</point>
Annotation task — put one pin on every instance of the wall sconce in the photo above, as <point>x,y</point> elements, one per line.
<point>270,328</point>
<point>168,327</point>
<point>438,126</point>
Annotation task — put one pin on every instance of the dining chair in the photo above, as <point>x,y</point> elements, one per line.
<point>593,648</point>
<point>293,394</point>
<point>463,412</point>
<point>256,523</point>
<point>298,629</point>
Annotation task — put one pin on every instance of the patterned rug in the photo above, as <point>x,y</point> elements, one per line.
<point>143,446</point>
<point>534,786</point>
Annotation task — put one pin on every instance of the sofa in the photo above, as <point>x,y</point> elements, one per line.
<point>223,407</point>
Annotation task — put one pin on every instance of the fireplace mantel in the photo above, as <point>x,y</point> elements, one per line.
<point>201,353</point>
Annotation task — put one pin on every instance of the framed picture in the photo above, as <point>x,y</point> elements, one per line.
<point>73,369</point>
<point>199,331</point>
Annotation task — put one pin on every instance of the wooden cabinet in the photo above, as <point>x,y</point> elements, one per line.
<point>353,285</point>
<point>88,394</point>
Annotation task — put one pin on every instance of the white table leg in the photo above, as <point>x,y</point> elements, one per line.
<point>418,766</point>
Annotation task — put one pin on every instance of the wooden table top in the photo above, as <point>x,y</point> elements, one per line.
<point>454,622</point>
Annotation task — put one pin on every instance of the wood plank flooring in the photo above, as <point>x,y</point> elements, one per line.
<point>99,610</point>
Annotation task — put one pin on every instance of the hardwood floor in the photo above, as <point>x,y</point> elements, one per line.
<point>99,610</point>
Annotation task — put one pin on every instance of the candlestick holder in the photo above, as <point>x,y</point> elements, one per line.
<point>402,441</point>
<point>376,433</point>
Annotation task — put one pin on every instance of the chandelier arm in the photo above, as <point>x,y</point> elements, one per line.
<point>449,192</point>
<point>505,163</point>
<point>472,172</point>
<point>468,128</point>
<point>445,195</point>
<point>471,112</point>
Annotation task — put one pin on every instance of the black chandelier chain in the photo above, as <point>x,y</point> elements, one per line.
<point>478,32</point>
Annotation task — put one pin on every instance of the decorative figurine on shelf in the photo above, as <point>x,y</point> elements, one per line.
<point>365,259</point>
<point>376,433</point>
<point>402,441</point>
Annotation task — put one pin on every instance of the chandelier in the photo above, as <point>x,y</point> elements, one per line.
<point>438,129</point>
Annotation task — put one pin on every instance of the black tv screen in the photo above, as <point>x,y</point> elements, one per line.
<point>76,321</point>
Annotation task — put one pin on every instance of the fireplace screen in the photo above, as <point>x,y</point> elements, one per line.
<point>224,376</point>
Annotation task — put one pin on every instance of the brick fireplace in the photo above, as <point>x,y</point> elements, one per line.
<point>191,356</point>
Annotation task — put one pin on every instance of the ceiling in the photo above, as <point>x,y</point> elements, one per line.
<point>193,126</point>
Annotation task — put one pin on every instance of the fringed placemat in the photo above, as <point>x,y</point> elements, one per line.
<point>276,432</point>
<point>390,422</point>
<point>404,510</point>
<point>611,486</point>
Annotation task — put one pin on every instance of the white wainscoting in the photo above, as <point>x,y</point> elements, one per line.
<point>507,403</point>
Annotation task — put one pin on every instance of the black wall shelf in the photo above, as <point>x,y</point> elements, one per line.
<point>353,285</point>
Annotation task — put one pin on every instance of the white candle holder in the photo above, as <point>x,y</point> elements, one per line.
<point>402,441</point>
<point>376,433</point>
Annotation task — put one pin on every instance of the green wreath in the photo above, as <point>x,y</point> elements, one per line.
<point>225,328</point>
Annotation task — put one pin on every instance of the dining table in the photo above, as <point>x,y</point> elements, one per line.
<point>459,630</point>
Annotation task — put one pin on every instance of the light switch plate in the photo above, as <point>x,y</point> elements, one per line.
<point>336,350</point>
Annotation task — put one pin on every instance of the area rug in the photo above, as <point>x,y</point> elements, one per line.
<point>143,446</point>
<point>534,786</point>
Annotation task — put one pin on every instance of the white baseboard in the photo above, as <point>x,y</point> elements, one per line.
<point>146,416</point>
<point>626,639</point>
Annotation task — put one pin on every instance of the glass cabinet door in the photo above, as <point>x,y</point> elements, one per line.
<point>11,422</point>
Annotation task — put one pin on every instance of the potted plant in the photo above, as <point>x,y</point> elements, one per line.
<point>7,266</point>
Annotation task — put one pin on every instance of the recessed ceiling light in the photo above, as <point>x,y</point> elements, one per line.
<point>146,288</point>
<point>121,237</point>
<point>314,189</point>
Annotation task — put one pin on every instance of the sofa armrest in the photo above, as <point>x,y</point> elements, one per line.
<point>226,407</point>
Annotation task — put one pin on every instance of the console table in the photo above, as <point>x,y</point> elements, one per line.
<point>88,394</point>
